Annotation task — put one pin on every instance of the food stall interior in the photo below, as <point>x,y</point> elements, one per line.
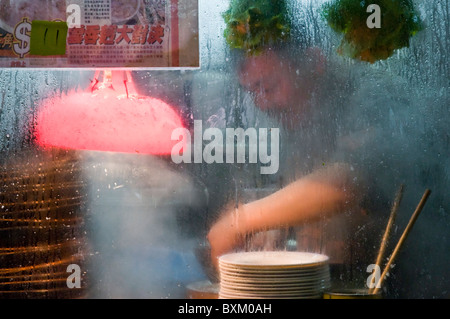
<point>95,202</point>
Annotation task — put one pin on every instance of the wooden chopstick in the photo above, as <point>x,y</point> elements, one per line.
<point>402,239</point>
<point>387,232</point>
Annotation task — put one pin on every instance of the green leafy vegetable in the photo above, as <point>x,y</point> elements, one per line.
<point>254,24</point>
<point>399,22</point>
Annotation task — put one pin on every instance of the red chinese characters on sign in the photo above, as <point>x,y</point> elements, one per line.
<point>76,35</point>
<point>108,34</point>
<point>113,34</point>
<point>123,34</point>
<point>92,34</point>
<point>139,35</point>
<point>156,35</point>
<point>7,40</point>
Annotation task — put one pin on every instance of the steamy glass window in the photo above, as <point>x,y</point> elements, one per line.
<point>310,126</point>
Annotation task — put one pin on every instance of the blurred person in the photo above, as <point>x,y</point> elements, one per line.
<point>345,146</point>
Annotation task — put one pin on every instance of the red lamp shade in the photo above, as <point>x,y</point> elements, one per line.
<point>106,120</point>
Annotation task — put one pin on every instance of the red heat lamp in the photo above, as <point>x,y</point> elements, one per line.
<point>108,117</point>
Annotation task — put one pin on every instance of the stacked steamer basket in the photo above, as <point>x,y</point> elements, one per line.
<point>273,275</point>
<point>41,227</point>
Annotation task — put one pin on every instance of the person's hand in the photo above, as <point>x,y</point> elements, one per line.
<point>225,234</point>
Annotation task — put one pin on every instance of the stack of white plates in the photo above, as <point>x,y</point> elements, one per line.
<point>273,275</point>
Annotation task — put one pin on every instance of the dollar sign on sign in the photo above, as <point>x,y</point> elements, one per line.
<point>22,34</point>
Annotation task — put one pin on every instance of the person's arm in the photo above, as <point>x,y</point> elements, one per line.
<point>321,194</point>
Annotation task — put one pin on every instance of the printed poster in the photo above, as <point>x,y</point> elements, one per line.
<point>99,34</point>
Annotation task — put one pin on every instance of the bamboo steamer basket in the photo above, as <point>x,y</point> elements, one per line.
<point>42,200</point>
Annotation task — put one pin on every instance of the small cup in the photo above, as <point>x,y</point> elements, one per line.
<point>351,294</point>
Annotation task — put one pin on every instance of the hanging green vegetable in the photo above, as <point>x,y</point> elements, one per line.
<point>254,24</point>
<point>399,22</point>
